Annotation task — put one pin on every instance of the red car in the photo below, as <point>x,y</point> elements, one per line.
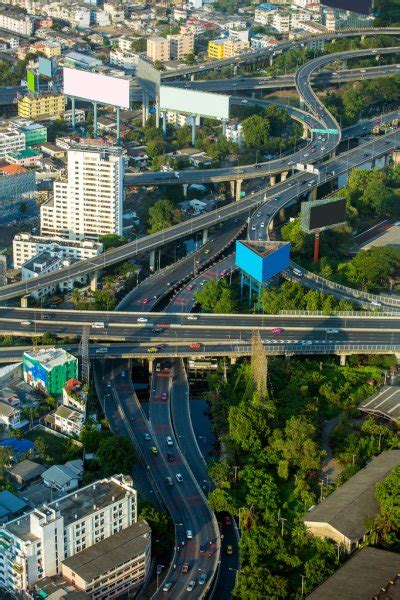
<point>145,301</point>
<point>195,346</point>
<point>277,330</point>
<point>164,396</point>
<point>189,288</point>
<point>228,520</point>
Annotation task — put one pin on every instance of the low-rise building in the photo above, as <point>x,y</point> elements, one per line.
<point>47,262</point>
<point>75,395</point>
<point>11,140</point>
<point>370,573</point>
<point>344,515</point>
<point>180,45</point>
<point>16,184</point>
<point>25,472</point>
<point>25,158</point>
<point>81,61</point>
<point>35,133</point>
<point>49,369</point>
<point>66,420</point>
<point>125,60</point>
<point>37,106</point>
<point>27,245</point>
<point>234,132</point>
<point>114,566</point>
<point>226,48</point>
<point>10,416</point>
<point>64,478</point>
<point>49,48</point>
<point>11,506</point>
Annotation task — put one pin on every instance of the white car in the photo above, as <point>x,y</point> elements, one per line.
<point>191,585</point>
<point>169,440</point>
<point>332,331</point>
<point>142,320</point>
<point>192,318</point>
<point>253,227</point>
<point>262,224</point>
<point>179,478</point>
<point>189,534</point>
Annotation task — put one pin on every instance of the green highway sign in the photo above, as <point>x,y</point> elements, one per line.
<point>334,131</point>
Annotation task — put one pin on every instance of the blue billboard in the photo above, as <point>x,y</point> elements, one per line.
<point>45,67</point>
<point>262,260</point>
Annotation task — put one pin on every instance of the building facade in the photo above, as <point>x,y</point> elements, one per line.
<point>49,369</point>
<point>11,140</point>
<point>16,22</point>
<point>180,45</point>
<point>158,49</point>
<point>26,246</point>
<point>42,105</point>
<point>90,203</point>
<point>37,545</point>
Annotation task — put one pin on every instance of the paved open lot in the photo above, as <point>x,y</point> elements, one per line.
<point>390,237</point>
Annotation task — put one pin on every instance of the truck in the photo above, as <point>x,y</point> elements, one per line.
<point>98,325</point>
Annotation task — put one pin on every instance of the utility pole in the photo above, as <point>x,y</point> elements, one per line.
<point>282,520</point>
<point>302,585</point>
<point>235,468</point>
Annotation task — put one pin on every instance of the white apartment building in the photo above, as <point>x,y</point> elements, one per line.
<point>125,43</point>
<point>16,22</point>
<point>35,546</point>
<point>27,245</point>
<point>114,11</point>
<point>11,140</point>
<point>180,120</point>
<point>67,420</point>
<point>279,19</point>
<point>234,132</point>
<point>10,416</point>
<point>90,203</point>
<point>126,60</point>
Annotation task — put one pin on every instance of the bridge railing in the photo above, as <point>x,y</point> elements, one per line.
<point>348,290</point>
<point>339,313</point>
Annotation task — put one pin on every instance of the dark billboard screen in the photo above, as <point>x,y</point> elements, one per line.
<point>362,7</point>
<point>327,215</point>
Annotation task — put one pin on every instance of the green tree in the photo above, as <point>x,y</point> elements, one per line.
<point>110,241</point>
<point>159,65</point>
<point>161,527</point>
<point>155,147</point>
<point>115,455</point>
<point>256,130</point>
<point>353,103</point>
<point>387,493</point>
<point>295,447</point>
<point>254,583</point>
<point>221,501</point>
<point>40,447</point>
<point>163,214</point>
<point>217,297</point>
<point>248,426</point>
<point>190,59</point>
<point>220,472</point>
<point>139,45</point>
<point>371,269</point>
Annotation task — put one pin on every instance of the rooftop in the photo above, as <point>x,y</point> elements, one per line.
<point>50,357</point>
<point>60,475</point>
<point>26,469</point>
<point>263,249</point>
<point>348,507</point>
<point>13,170</point>
<point>386,403</point>
<point>111,552</point>
<point>69,413</point>
<point>363,576</point>
<point>28,153</point>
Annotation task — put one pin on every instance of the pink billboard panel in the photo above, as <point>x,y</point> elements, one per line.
<point>96,87</point>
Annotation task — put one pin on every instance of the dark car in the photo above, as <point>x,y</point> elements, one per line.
<point>170,457</point>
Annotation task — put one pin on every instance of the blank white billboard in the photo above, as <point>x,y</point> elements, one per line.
<point>96,87</point>
<point>193,102</point>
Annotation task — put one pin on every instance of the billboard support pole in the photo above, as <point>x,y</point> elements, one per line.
<point>95,119</point>
<point>316,246</point>
<point>193,130</point>
<point>157,115</point>
<point>118,125</point>
<point>164,123</point>
<point>224,127</point>
<point>73,112</point>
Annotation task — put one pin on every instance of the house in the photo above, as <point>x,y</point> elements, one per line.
<point>10,416</point>
<point>25,472</point>
<point>370,573</point>
<point>64,478</point>
<point>74,395</point>
<point>11,506</point>
<point>344,515</point>
<point>66,420</point>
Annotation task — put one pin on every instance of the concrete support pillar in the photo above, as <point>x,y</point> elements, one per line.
<point>93,281</point>
<point>224,127</point>
<point>271,225</point>
<point>73,112</point>
<point>185,189</point>
<point>192,77</point>
<point>284,175</point>
<point>396,156</point>
<point>193,130</point>
<point>118,125</point>
<point>343,360</point>
<point>151,362</point>
<point>272,180</point>
<point>157,115</point>
<point>238,188</point>
<point>305,132</point>
<point>164,124</point>
<point>152,260</point>
<point>235,70</point>
<point>233,360</point>
<point>95,119</point>
<point>205,236</point>
<point>282,214</point>
<point>24,301</point>
<point>145,108</point>
<point>232,183</point>
<point>313,194</point>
